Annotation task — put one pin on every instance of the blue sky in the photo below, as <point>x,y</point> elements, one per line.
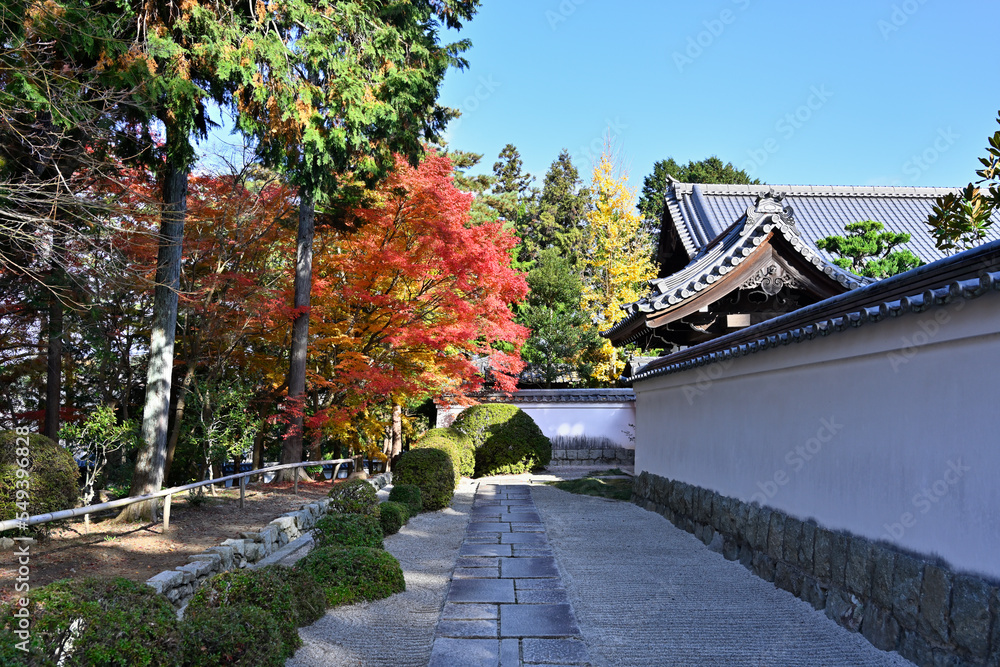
<point>876,92</point>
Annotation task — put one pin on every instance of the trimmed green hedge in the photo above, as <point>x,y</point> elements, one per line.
<point>349,530</point>
<point>110,621</point>
<point>458,446</point>
<point>506,439</point>
<point>353,574</point>
<point>52,475</point>
<point>261,588</point>
<point>393,517</point>
<point>409,495</point>
<point>354,497</point>
<point>432,471</point>
<point>239,635</point>
<point>307,597</point>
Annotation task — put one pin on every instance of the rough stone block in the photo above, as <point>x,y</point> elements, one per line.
<point>283,522</point>
<point>206,563</point>
<point>935,595</point>
<point>688,502</point>
<point>970,616</point>
<point>707,534</point>
<point>822,549</point>
<point>885,563</point>
<point>225,553</point>
<point>730,548</point>
<point>6,544</point>
<point>915,648</point>
<point>740,513</point>
<point>792,538</point>
<point>571,455</point>
<point>190,572</point>
<point>787,577</point>
<point>880,628</point>
<point>845,609</point>
<point>807,546</point>
<point>324,505</point>
<point>763,528</point>
<point>253,537</point>
<point>776,536</point>
<point>839,544</point>
<point>165,581</point>
<point>269,534</point>
<point>173,595</point>
<point>746,556</point>
<point>238,547</point>
<point>252,551</point>
<point>994,658</point>
<point>763,567</point>
<point>907,579</point>
<point>860,566</point>
<point>813,592</point>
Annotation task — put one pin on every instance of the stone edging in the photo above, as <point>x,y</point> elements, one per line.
<point>899,601</point>
<point>179,585</point>
<point>584,457</point>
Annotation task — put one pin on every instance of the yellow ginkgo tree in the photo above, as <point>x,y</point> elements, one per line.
<point>617,260</point>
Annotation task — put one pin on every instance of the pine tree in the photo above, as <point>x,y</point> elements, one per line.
<point>562,205</point>
<point>869,251</point>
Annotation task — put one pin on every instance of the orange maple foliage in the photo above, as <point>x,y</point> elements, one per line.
<point>408,302</point>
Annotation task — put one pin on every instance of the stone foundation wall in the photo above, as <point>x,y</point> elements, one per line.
<point>179,585</point>
<point>590,457</point>
<point>899,601</point>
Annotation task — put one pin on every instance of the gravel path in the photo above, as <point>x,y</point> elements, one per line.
<point>647,593</point>
<point>397,631</point>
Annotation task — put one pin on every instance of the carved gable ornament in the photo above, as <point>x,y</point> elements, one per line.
<point>770,280</point>
<point>769,204</point>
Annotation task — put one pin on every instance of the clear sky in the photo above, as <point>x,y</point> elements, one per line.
<point>855,92</point>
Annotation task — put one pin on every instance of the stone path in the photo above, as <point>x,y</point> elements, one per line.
<point>506,604</point>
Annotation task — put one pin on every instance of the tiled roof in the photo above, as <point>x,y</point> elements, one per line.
<point>761,218</point>
<point>701,212</point>
<point>562,396</point>
<point>964,276</point>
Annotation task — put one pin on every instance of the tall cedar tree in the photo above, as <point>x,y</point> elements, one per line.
<point>616,258</point>
<point>410,298</point>
<point>562,206</point>
<point>330,91</point>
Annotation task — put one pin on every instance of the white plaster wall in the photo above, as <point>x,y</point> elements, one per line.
<point>597,420</point>
<point>890,430</point>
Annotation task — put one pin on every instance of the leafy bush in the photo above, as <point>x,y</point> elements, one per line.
<point>507,440</point>
<point>353,574</point>
<point>307,596</point>
<point>233,636</point>
<point>108,621</point>
<point>432,471</point>
<point>52,474</point>
<point>409,495</point>
<point>354,497</point>
<point>249,588</point>
<point>393,516</point>
<point>457,444</point>
<point>349,530</point>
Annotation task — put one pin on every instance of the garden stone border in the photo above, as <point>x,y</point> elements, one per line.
<point>592,457</point>
<point>251,548</point>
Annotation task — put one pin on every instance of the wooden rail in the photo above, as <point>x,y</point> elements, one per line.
<point>10,524</point>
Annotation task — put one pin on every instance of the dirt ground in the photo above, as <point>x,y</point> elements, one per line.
<point>139,551</point>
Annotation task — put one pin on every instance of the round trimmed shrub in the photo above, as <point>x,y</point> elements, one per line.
<point>250,588</point>
<point>233,636</point>
<point>432,471</point>
<point>409,495</point>
<point>349,530</point>
<point>457,444</point>
<point>506,439</point>
<point>353,574</point>
<point>393,516</point>
<point>354,496</point>
<point>307,596</point>
<point>52,474</point>
<point>110,622</point>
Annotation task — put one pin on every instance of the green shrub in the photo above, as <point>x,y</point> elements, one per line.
<point>409,495</point>
<point>232,636</point>
<point>307,596</point>
<point>52,475</point>
<point>353,574</point>
<point>457,444</point>
<point>110,622</point>
<point>506,439</point>
<point>354,497</point>
<point>249,588</point>
<point>393,516</point>
<point>349,530</point>
<point>432,471</point>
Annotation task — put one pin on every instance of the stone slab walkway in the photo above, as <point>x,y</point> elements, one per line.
<point>506,604</point>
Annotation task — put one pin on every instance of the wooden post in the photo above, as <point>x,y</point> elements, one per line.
<point>166,513</point>
<point>296,480</point>
<point>243,490</point>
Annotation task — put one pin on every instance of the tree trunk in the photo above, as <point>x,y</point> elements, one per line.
<point>53,378</point>
<point>397,430</point>
<point>258,450</point>
<point>291,449</point>
<point>182,393</point>
<point>149,466</point>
